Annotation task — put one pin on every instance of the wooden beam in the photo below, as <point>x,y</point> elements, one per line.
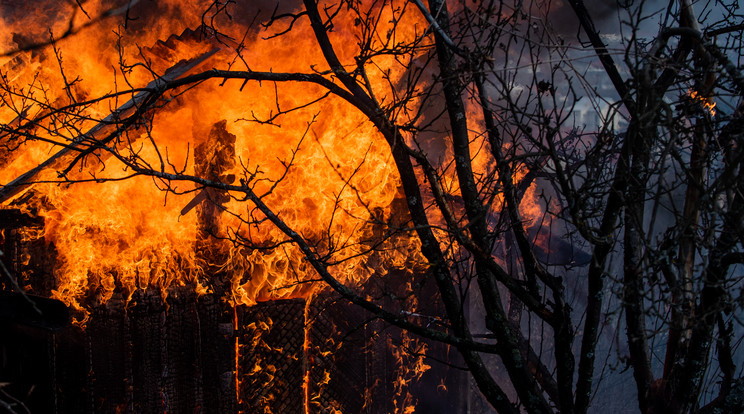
<point>108,125</point>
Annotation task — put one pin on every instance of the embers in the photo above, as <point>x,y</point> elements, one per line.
<point>303,357</point>
<point>271,357</point>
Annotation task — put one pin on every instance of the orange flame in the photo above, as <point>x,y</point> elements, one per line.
<point>323,168</point>
<point>340,184</point>
<point>707,103</point>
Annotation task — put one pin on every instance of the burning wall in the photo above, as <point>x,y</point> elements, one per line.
<point>191,352</point>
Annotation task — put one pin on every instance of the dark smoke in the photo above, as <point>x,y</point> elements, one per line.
<point>233,20</point>
<point>606,14</point>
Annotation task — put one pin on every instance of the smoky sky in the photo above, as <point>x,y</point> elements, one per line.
<point>606,14</point>
<point>37,17</point>
<point>145,15</point>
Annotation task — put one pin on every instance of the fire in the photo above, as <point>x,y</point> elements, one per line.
<point>411,365</point>
<point>319,163</point>
<point>134,237</point>
<point>707,103</point>
<point>327,176</point>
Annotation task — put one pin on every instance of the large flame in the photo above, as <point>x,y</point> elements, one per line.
<point>128,235</point>
<point>327,171</point>
<point>323,167</point>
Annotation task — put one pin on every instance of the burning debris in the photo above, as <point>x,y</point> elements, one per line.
<point>707,104</point>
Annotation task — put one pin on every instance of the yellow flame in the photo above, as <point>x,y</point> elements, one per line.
<point>336,194</point>
<point>707,103</point>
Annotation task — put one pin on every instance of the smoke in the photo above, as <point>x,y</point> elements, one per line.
<point>173,16</point>
<point>562,18</point>
<point>606,14</point>
<point>24,23</point>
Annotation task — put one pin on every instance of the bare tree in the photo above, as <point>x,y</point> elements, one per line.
<point>547,209</point>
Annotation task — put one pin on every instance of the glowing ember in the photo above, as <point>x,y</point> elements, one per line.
<point>706,103</point>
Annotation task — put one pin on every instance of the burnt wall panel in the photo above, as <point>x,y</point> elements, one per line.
<point>216,354</point>
<point>271,361</point>
<point>181,369</point>
<point>145,357</point>
<point>24,369</point>
<point>381,368</point>
<point>109,355</point>
<point>69,364</point>
<point>339,355</point>
<point>147,319</point>
<point>161,357</point>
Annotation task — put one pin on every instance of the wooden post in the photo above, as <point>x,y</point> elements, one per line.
<point>214,157</point>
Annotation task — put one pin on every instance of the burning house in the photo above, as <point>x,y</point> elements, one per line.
<point>369,207</point>
<point>163,298</point>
